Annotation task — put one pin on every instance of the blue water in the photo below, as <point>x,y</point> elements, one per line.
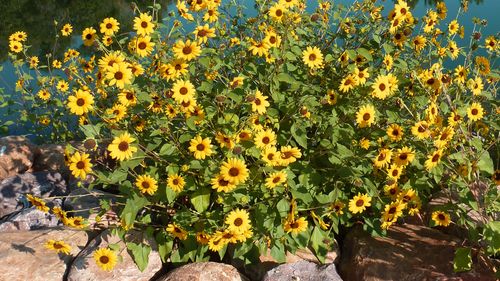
<point>37,19</point>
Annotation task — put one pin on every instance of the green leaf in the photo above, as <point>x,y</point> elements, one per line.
<point>462,260</point>
<point>132,207</point>
<point>140,254</point>
<point>164,247</point>
<point>317,244</point>
<point>278,252</point>
<point>365,53</point>
<point>201,199</point>
<point>167,149</point>
<point>299,134</point>
<point>485,163</point>
<point>284,77</point>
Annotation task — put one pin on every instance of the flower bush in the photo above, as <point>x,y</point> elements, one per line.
<point>233,135</point>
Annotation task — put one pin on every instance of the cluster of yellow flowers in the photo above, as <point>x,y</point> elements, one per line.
<point>211,124</point>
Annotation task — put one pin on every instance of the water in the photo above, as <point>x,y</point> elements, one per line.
<point>38,19</point>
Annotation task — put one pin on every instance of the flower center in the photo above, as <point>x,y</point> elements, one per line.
<point>366,116</point>
<point>234,172</point>
<point>312,57</point>
<point>118,75</point>
<point>80,165</point>
<point>186,50</point>
<point>200,147</point>
<point>144,24</point>
<point>238,222</point>
<point>104,259</point>
<point>183,90</point>
<point>142,45</point>
<point>123,146</point>
<point>80,102</point>
<point>360,203</point>
<point>109,25</point>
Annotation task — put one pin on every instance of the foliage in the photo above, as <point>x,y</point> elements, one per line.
<point>233,135</point>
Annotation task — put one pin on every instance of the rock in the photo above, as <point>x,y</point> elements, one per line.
<point>27,219</point>
<point>23,255</point>
<point>416,252</point>
<point>82,199</point>
<point>16,156</point>
<point>204,271</point>
<point>42,184</point>
<point>84,267</point>
<point>303,271</point>
<point>50,157</point>
<point>267,262</point>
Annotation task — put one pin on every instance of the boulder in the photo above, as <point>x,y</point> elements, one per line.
<point>204,271</point>
<point>50,157</point>
<point>84,267</point>
<point>27,219</point>
<point>16,155</point>
<point>267,262</point>
<point>303,271</point>
<point>409,252</point>
<point>42,184</point>
<point>23,255</point>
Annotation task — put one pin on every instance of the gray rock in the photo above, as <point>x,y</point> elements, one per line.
<point>82,199</point>
<point>303,271</point>
<point>204,271</point>
<point>16,155</point>
<point>42,184</point>
<point>50,157</point>
<point>27,219</point>
<point>84,267</point>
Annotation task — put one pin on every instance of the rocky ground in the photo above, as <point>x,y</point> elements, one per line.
<point>411,251</point>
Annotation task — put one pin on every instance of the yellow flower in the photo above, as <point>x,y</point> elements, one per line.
<point>265,139</point>
<point>421,130</point>
<point>359,203</point>
<point>394,172</point>
<point>176,182</point>
<point>80,165</point>
<point>238,221</point>
<point>295,226</point>
<point>276,12</point>
<point>348,83</point>
<point>276,179</point>
<point>62,86</point>
<point>221,184</point>
<point>15,46</point>
<point>201,148</point>
<point>289,155</point>
<point>121,148</point>
<point>38,203</point>
<point>105,258</point>
<point>365,116</point>
<point>476,85</point>
<point>383,158</point>
<point>89,36</point>
<point>186,50</point>
<point>59,246</point>
<point>259,103</point>
<point>109,26</point>
<point>143,24</point>
<point>81,102</point>
<point>67,29</point>
<point>453,27</point>
<point>203,32</point>
<point>119,74</point>
<point>404,156</point>
<point>312,57</point>
<point>395,132</point>
<point>177,231</point>
<point>44,94</point>
<point>33,62</point>
<point>491,43</point>
<point>234,170</point>
<point>475,112</point>
<point>146,184</point>
<point>433,159</point>
<point>183,91</point>
<point>441,218</point>
<point>216,242</point>
<point>143,45</point>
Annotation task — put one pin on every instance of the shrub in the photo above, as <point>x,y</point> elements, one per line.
<point>234,135</point>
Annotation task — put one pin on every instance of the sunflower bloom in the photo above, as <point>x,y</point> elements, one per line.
<point>105,258</point>
<point>121,148</point>
<point>359,203</point>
